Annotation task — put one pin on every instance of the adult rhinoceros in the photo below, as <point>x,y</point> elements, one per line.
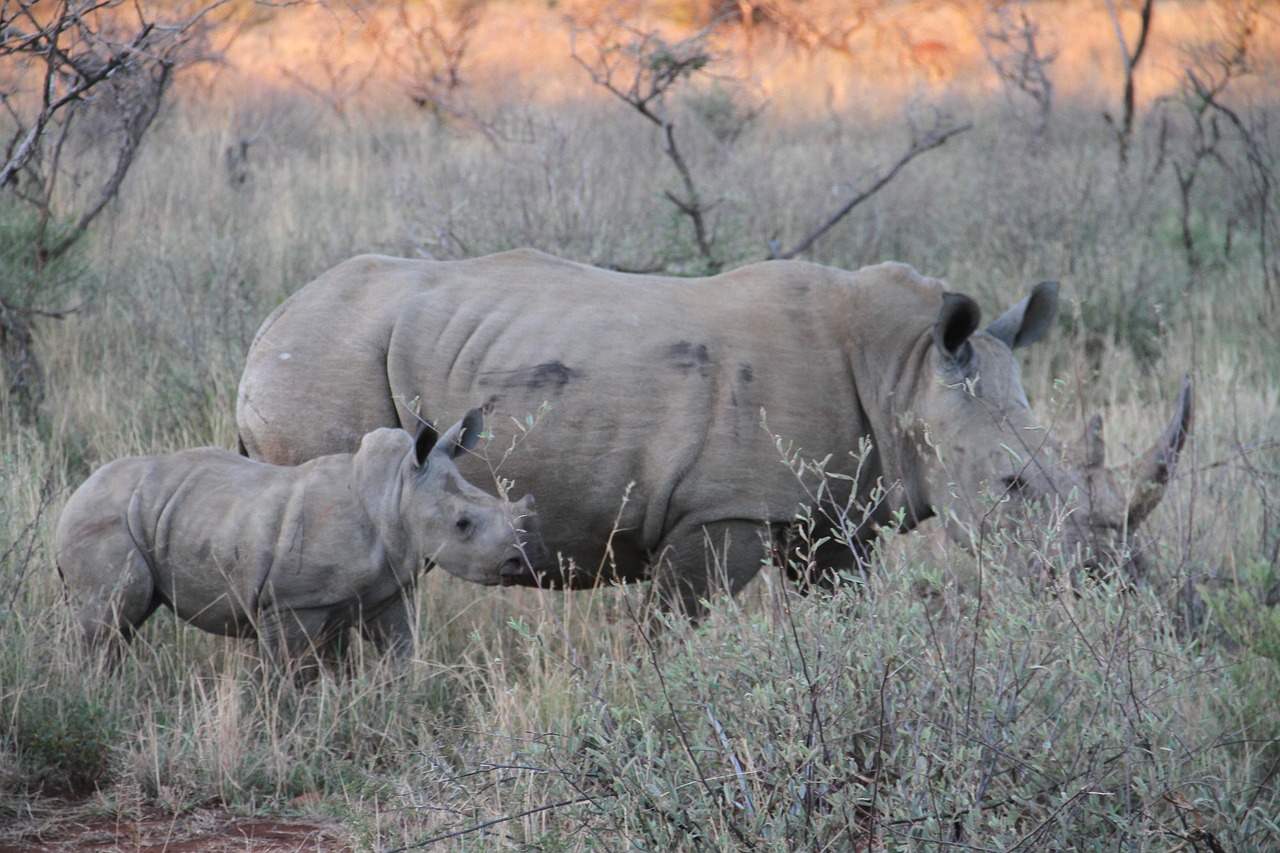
<point>650,455</point>
<point>293,555</point>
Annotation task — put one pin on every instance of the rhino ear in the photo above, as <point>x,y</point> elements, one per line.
<point>957,320</point>
<point>423,442</point>
<point>1029,320</point>
<point>465,434</point>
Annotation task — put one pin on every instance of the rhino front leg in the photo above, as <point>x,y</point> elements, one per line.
<point>392,629</point>
<point>290,642</point>
<point>698,561</point>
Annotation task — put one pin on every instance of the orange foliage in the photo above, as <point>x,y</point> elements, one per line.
<point>344,53</point>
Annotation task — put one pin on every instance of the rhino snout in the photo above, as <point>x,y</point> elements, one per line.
<point>516,571</point>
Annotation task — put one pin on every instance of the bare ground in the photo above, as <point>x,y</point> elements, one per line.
<point>70,827</point>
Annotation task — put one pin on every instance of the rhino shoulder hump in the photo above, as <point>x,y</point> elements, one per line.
<point>903,276</point>
<point>526,257</point>
<point>366,263</point>
<point>528,253</point>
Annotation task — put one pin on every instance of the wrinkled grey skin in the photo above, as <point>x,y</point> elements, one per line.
<point>294,556</point>
<point>650,458</point>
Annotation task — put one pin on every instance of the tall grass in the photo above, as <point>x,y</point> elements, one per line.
<point>945,703</point>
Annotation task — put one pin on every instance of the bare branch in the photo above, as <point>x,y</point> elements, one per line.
<point>1014,52</point>
<point>1124,134</point>
<point>931,140</point>
<point>640,69</point>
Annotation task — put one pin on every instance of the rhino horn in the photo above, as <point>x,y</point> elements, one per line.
<point>1153,471</point>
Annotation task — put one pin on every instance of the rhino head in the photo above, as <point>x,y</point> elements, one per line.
<point>431,515</point>
<point>989,466</point>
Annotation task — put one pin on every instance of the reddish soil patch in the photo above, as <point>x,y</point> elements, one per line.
<point>204,831</point>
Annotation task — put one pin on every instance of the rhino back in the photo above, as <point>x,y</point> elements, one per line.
<point>655,389</point>
<point>225,536</point>
<point>654,386</point>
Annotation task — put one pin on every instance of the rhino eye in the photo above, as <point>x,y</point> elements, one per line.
<point>465,526</point>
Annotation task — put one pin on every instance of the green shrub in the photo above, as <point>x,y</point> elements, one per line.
<point>59,730</point>
<point>1249,610</point>
<point>864,721</point>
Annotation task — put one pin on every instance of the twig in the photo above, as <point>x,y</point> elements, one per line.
<point>738,771</point>
<point>483,826</point>
<point>918,147</point>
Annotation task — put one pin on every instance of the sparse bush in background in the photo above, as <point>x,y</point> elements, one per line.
<point>811,25</point>
<point>1011,41</point>
<point>642,69</point>
<point>1222,151</point>
<point>80,85</point>
<point>429,47</point>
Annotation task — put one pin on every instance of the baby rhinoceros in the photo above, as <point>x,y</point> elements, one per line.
<point>293,556</point>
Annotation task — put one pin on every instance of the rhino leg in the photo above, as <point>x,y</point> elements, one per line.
<point>111,612</point>
<point>293,642</point>
<point>698,561</point>
<point>391,630</point>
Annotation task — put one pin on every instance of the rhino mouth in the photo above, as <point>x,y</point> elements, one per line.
<point>515,571</point>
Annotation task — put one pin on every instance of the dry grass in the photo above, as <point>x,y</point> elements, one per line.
<point>1018,718</point>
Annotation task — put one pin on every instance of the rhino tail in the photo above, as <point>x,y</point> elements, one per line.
<point>62,580</point>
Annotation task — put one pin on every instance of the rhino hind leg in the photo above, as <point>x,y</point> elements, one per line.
<point>696,562</point>
<point>110,613</point>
